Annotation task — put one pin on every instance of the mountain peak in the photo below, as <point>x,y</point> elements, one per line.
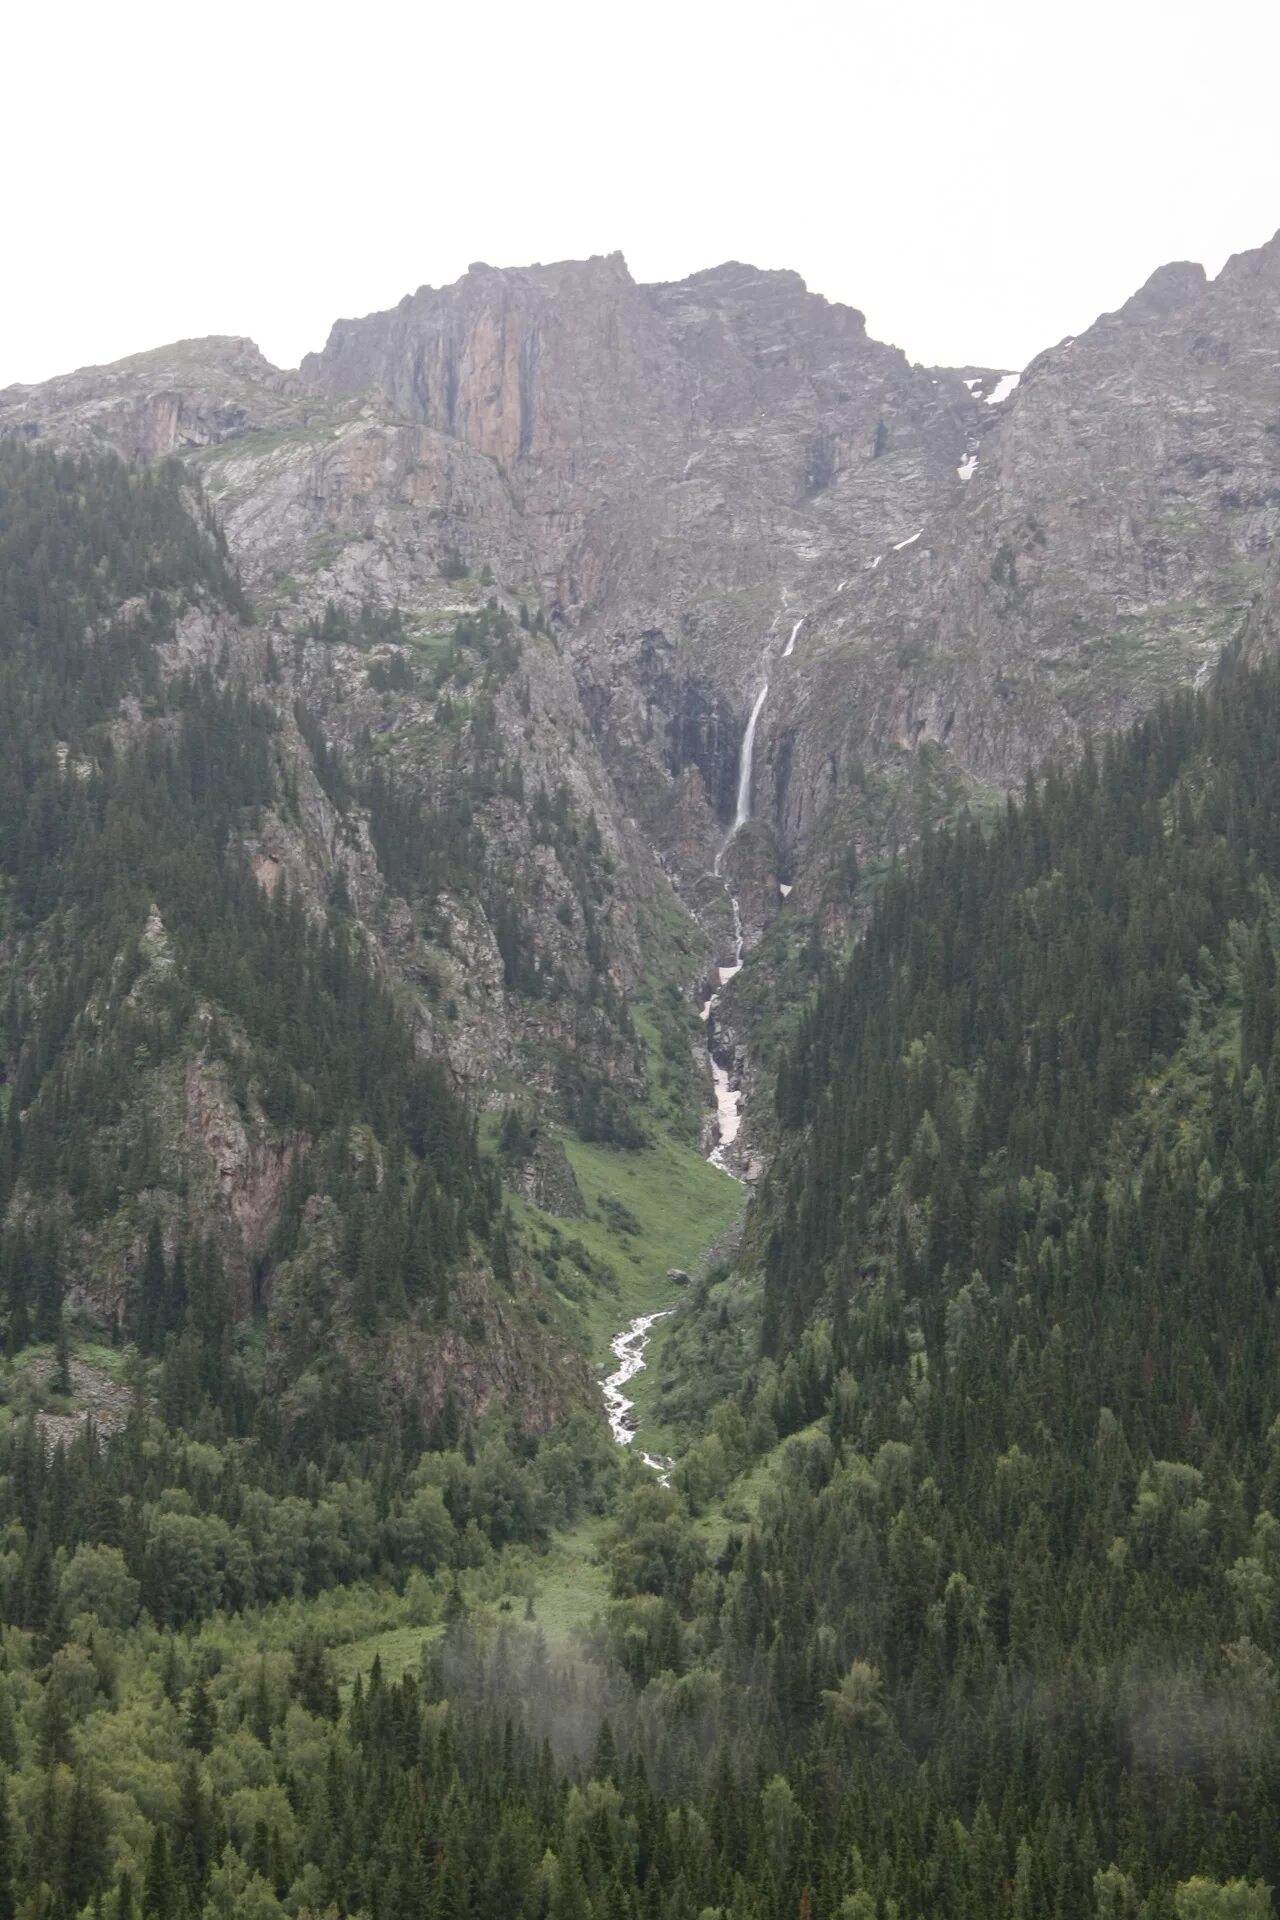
<point>1170,288</point>
<point>1255,264</point>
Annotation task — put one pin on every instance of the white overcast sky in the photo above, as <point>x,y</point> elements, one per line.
<point>979,176</point>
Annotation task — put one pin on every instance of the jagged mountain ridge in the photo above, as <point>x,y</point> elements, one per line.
<point>972,1560</point>
<point>1115,533</point>
<point>340,496</point>
<point>688,458</point>
<point>1118,507</point>
<point>676,473</point>
<point>621,411</point>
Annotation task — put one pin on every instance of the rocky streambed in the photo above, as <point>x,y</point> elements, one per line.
<point>628,1349</point>
<point>629,1346</point>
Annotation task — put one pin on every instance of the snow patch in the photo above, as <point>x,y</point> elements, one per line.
<point>908,542</point>
<point>784,889</point>
<point>790,647</point>
<point>967,465</point>
<point>1003,388</point>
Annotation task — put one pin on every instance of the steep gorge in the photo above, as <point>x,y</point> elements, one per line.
<point>670,479</point>
<point>544,660</point>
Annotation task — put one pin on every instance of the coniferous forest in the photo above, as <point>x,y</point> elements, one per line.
<point>963,1598</point>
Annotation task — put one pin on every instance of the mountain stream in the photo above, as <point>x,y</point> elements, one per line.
<point>629,1346</point>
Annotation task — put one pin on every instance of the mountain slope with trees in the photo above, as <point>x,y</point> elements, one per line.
<point>963,1598</point>
<point>215,1106</point>
<point>324,912</point>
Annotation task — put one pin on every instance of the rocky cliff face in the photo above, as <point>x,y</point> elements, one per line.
<point>697,466</point>
<point>676,476</point>
<point>712,435</point>
<point>169,401</point>
<point>342,503</point>
<point>1114,534</point>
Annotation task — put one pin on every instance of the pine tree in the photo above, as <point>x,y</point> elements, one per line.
<point>153,1321</point>
<point>159,1895</point>
<point>62,1359</point>
<point>8,1900</point>
<point>202,1719</point>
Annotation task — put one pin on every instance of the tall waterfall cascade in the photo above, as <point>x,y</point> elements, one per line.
<point>629,1346</point>
<point>729,1099</point>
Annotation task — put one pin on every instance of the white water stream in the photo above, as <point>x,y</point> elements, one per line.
<point>728,1100</point>
<point>628,1349</point>
<point>742,812</point>
<point>629,1346</point>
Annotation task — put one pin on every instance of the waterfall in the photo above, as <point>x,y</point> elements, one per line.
<point>729,1103</point>
<point>629,1346</point>
<point>742,812</point>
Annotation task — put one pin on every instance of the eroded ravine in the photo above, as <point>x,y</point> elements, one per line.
<point>630,1346</point>
<point>728,1098</point>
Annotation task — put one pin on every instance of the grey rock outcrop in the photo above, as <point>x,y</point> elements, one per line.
<point>674,475</point>
<point>1115,533</point>
<point>691,462</point>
